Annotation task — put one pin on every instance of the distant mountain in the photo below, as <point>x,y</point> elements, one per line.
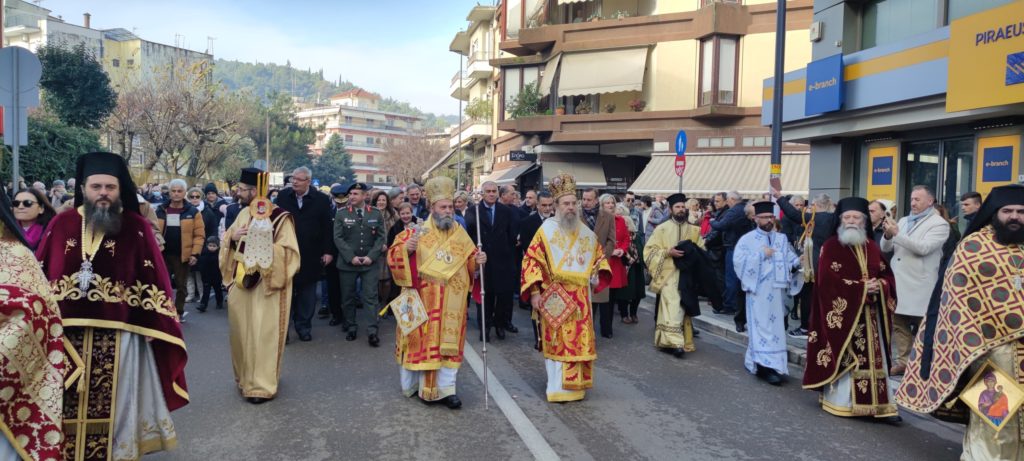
<point>262,79</point>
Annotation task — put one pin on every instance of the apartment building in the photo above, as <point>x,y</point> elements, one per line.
<point>124,56</point>
<point>915,92</point>
<point>601,88</point>
<point>367,131</point>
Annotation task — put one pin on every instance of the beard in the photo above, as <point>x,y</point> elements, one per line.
<point>1009,233</point>
<point>681,216</point>
<point>568,220</point>
<point>853,236</point>
<point>442,222</point>
<point>106,220</point>
<point>767,227</point>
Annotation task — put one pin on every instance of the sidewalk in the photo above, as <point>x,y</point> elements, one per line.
<point>724,327</point>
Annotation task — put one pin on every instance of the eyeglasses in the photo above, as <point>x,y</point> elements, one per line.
<point>23,203</point>
<point>194,197</point>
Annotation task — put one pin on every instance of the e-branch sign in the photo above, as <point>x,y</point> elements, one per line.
<point>824,85</point>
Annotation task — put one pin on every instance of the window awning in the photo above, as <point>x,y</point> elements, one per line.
<point>549,74</point>
<point>604,71</point>
<point>441,161</point>
<point>564,2</point>
<point>508,175</point>
<point>707,174</point>
<point>587,174</point>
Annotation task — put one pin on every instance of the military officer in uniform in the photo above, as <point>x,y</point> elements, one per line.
<point>359,235</point>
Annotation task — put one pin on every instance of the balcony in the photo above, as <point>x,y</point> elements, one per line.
<point>471,129</point>
<point>478,65</point>
<point>459,89</point>
<point>619,126</point>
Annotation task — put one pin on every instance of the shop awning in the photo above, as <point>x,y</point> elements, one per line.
<point>549,74</point>
<point>508,175</point>
<point>587,174</point>
<point>564,2</point>
<point>440,162</point>
<point>707,174</point>
<point>605,71</point>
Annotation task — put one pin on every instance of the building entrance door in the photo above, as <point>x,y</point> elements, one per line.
<point>947,166</point>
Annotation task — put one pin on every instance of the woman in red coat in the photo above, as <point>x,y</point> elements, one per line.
<point>619,280</point>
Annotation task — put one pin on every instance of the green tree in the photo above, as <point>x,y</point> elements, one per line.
<point>335,163</point>
<point>74,85</point>
<point>289,141</point>
<point>52,150</point>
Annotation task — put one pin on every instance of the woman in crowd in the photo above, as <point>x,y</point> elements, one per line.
<point>461,203</point>
<point>33,211</point>
<point>622,240</point>
<point>382,202</point>
<point>211,226</point>
<point>405,220</point>
<point>628,297</point>
<point>696,214</point>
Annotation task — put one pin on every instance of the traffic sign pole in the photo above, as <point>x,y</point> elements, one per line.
<point>680,163</point>
<point>15,123</point>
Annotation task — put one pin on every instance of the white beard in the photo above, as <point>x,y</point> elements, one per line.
<point>568,224</point>
<point>852,236</point>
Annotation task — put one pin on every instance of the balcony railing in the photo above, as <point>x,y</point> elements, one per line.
<point>455,78</point>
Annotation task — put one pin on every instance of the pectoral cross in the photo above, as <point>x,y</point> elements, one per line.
<point>85,276</point>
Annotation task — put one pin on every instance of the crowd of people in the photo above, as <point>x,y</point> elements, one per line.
<point>119,268</point>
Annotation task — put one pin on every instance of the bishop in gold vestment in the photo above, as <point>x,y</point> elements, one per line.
<point>561,264</point>
<point>260,258</point>
<point>438,260</point>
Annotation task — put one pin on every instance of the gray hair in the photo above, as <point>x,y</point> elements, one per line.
<point>798,198</point>
<point>823,202</point>
<point>304,170</point>
<point>177,183</point>
<point>412,186</point>
<point>928,190</point>
<point>195,190</point>
<point>604,197</point>
<point>488,183</point>
<point>463,195</point>
<point>733,195</point>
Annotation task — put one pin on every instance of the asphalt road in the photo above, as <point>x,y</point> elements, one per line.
<point>342,400</point>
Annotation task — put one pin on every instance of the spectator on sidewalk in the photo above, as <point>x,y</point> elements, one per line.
<point>184,233</point>
<point>817,229</point>
<point>608,205</point>
<point>628,297</point>
<point>732,225</point>
<point>970,202</point>
<point>916,242</point>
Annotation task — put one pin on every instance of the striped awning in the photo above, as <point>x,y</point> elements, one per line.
<point>707,174</point>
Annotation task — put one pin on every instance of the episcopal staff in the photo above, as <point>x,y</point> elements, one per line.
<point>259,258</point>
<point>115,297</point>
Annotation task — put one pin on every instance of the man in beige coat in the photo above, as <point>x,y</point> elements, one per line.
<point>916,242</point>
<point>603,224</point>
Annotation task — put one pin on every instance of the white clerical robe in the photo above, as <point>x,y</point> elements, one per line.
<point>766,281</point>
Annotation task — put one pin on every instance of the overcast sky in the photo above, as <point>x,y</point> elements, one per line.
<point>398,48</point>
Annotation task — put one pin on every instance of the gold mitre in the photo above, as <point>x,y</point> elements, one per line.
<point>440,188</point>
<point>563,184</point>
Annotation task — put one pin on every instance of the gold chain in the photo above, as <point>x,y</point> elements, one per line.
<point>90,240</point>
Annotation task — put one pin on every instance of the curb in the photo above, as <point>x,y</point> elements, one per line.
<point>724,329</point>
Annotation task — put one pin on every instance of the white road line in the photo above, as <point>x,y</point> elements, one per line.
<point>533,439</point>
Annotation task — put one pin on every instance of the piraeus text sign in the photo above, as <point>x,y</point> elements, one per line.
<point>824,85</point>
<point>986,59</point>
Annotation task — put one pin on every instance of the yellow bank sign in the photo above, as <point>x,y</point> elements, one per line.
<point>986,59</point>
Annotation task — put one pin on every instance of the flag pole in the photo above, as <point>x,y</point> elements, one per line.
<point>483,307</point>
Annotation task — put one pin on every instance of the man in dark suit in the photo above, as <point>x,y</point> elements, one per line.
<point>311,210</point>
<point>603,224</point>
<point>527,230</point>
<point>498,236</point>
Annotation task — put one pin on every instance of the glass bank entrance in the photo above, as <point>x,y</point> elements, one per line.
<point>946,165</point>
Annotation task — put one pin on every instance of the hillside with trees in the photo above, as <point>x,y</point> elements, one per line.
<point>265,79</point>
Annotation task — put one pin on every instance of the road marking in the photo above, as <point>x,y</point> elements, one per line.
<point>529,434</point>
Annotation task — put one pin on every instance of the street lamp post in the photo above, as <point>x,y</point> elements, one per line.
<point>775,178</point>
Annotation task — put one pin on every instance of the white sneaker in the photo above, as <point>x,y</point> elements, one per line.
<point>183,315</point>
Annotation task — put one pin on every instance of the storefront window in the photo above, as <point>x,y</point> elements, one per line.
<point>888,21</point>
<point>946,166</point>
<point>956,9</point>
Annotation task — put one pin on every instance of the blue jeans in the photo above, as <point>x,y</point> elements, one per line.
<point>732,282</point>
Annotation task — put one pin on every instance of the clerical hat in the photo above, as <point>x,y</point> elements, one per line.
<point>852,204</point>
<point>676,198</point>
<point>250,176</point>
<point>764,207</point>
<point>95,163</point>
<point>1011,194</point>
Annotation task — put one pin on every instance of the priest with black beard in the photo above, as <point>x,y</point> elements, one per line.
<point>973,328</point>
<point>126,361</point>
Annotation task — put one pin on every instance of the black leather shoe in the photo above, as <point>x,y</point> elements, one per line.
<point>201,308</point>
<point>257,400</point>
<point>334,322</point>
<point>452,402</point>
<point>741,328</point>
<point>609,336</point>
<point>676,352</point>
<point>771,376</point>
<point>305,337</point>
<point>696,332</point>
<point>323,313</point>
<point>894,420</point>
<point>351,336</point>
<point>511,328</point>
<point>500,333</point>
<point>374,340</point>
